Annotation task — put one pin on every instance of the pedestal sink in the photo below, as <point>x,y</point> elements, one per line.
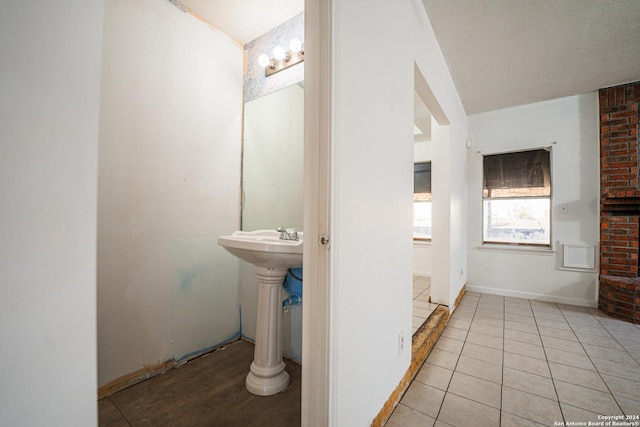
<point>272,258</point>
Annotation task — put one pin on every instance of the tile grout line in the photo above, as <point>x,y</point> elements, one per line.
<point>120,411</point>
<point>590,360</point>
<point>544,350</point>
<point>456,366</point>
<point>504,328</point>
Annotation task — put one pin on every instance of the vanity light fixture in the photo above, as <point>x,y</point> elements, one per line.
<point>282,59</point>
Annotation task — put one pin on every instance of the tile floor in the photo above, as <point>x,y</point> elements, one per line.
<point>422,308</point>
<point>208,391</point>
<point>516,362</point>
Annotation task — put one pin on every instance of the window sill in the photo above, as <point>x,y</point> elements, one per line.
<point>522,249</point>
<point>422,242</point>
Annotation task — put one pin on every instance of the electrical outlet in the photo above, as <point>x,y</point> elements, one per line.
<point>401,341</point>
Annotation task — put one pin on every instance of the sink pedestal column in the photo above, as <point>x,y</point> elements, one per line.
<point>267,375</point>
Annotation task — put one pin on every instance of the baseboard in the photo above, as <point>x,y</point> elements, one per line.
<point>147,372</point>
<point>532,296</point>
<point>459,297</point>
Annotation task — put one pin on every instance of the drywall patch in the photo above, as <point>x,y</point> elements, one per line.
<point>186,276</point>
<point>204,295</point>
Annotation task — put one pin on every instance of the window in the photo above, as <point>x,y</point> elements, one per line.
<point>517,198</point>
<point>422,201</point>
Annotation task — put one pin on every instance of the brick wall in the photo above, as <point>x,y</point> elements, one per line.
<point>619,202</point>
<point>619,170</point>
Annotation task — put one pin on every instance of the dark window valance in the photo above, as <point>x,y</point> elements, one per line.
<point>422,178</point>
<point>521,174</point>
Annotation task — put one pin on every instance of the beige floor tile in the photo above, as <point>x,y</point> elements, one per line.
<point>518,326</point>
<point>489,314</point>
<point>476,389</point>
<point>520,318</point>
<point>527,364</point>
<point>441,424</point>
<point>568,358</point>
<point>467,317</point>
<point>624,338</point>
<point>530,383</point>
<point>416,321</point>
<point>577,376</point>
<point>591,330</point>
<point>518,311</point>
<point>423,398</point>
<point>480,369</point>
<point>404,416</point>
<point>449,344</point>
<point>571,413</point>
<point>631,347</point>
<point>530,407</point>
<point>485,340</point>
<point>453,333</point>
<point>496,331</point>
<point>623,387</point>
<point>599,340</point>
<point>525,349</point>
<point>586,398</point>
<point>459,412</point>
<point>629,406</point>
<point>489,321</point>
<point>510,420</point>
<point>424,296</point>
<point>562,325</point>
<point>522,336</point>
<point>487,354</point>
<point>459,324</point>
<point>423,304</point>
<point>557,333</point>
<point>444,359</point>
<point>609,354</point>
<point>421,312</point>
<point>564,345</point>
<point>435,376</point>
<point>617,369</point>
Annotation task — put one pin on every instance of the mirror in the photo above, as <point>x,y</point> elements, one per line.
<point>272,163</point>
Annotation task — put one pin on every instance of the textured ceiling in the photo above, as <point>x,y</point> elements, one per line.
<point>244,20</point>
<point>503,53</point>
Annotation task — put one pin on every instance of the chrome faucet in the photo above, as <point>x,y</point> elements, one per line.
<point>285,235</point>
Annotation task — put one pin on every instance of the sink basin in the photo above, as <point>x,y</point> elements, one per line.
<point>263,248</point>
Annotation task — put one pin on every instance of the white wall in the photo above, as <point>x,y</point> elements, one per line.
<point>371,195</point>
<point>573,124</point>
<point>449,214</point>
<point>169,185</point>
<point>50,82</point>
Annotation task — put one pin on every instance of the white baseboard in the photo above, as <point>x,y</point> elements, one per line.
<point>533,296</point>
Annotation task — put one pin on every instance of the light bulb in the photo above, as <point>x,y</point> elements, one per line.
<point>279,53</point>
<point>264,60</point>
<point>295,45</point>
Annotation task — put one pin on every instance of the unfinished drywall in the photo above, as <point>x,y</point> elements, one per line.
<point>570,127</point>
<point>49,110</point>
<point>169,185</point>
